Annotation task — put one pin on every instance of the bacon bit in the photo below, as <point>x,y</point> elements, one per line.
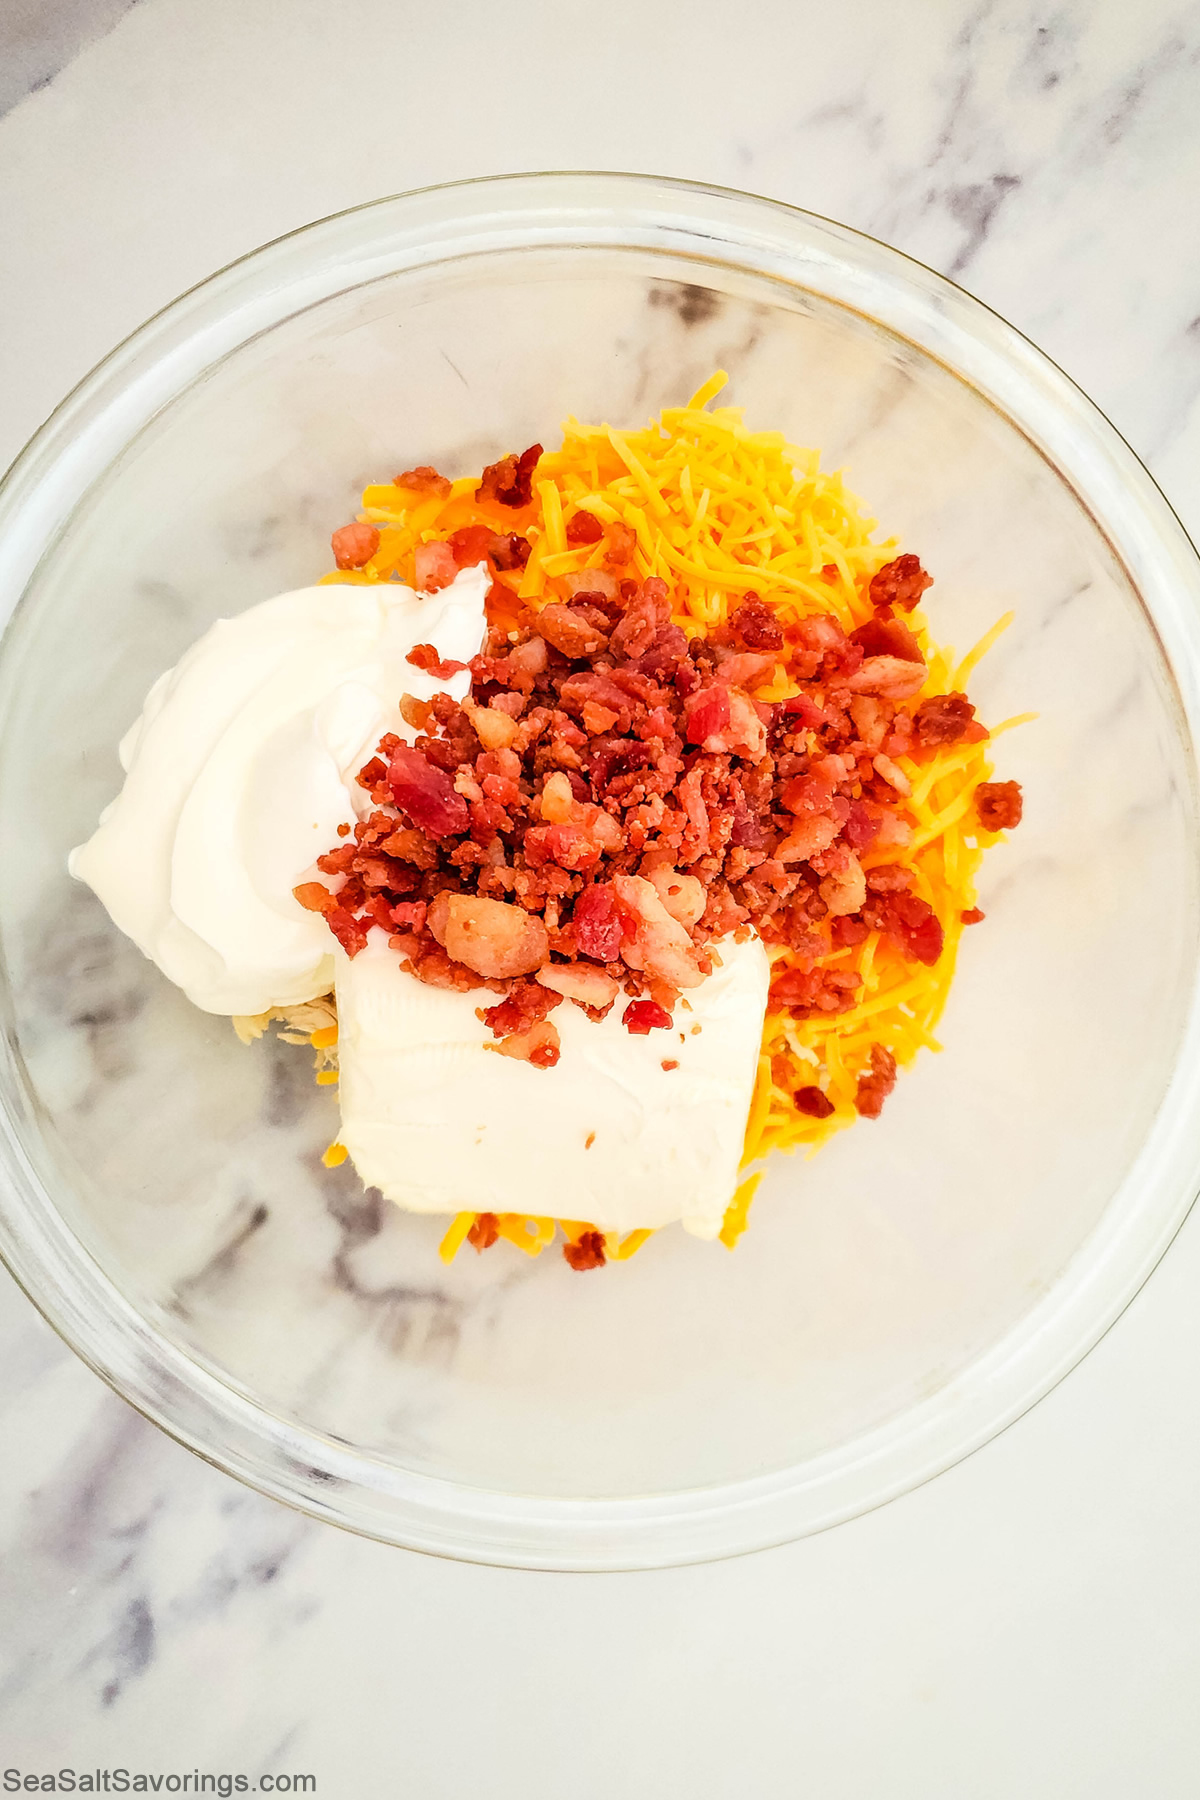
<point>427,794</point>
<point>484,1231</point>
<point>890,772</point>
<point>910,922</point>
<point>582,982</point>
<point>756,624</point>
<point>972,916</point>
<point>887,636</point>
<point>830,572</point>
<point>682,895</point>
<point>589,1140</point>
<point>414,712</point>
<point>584,528</point>
<point>492,937</point>
<point>707,713</point>
<point>349,932</point>
<point>424,480</point>
<point>900,583</point>
<point>669,1063</point>
<point>494,729</point>
<point>891,677</point>
<point>813,1102</point>
<point>659,944</point>
<point>434,566</point>
<point>314,896</point>
<point>343,829</point>
<point>641,1017</point>
<point>873,1089</point>
<point>942,719</point>
<point>622,542</point>
<point>587,1252</point>
<point>354,545</point>
<point>425,656</point>
<point>844,890</point>
<point>597,923</point>
<point>509,482</point>
<point>540,1045</point>
<point>570,631</point>
<point>999,804</point>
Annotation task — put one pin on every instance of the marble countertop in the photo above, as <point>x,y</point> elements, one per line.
<point>1025,1625</point>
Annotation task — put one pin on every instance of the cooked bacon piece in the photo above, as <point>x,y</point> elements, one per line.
<point>510,481</point>
<point>314,896</point>
<point>999,804</point>
<point>414,712</point>
<point>570,630</point>
<point>808,837</point>
<point>471,544</point>
<point>525,1005</point>
<point>354,545</point>
<point>683,896</point>
<point>756,625</point>
<point>494,728</point>
<point>587,1252</point>
<point>593,584</point>
<point>493,937</point>
<point>540,1045</point>
<point>622,542</point>
<point>597,923</point>
<point>577,833</point>
<point>846,931</point>
<point>434,567</point>
<point>582,982</point>
<point>484,1231</point>
<point>427,794</point>
<point>900,583</point>
<point>584,528</point>
<point>942,719</point>
<point>812,1101</point>
<point>972,916</point>
<point>707,713</point>
<point>350,932</point>
<point>641,1017</point>
<point>659,945</point>
<point>911,923</point>
<point>844,890</point>
<point>891,677</point>
<point>873,1089</point>
<point>887,636</point>
<point>425,656</point>
<point>746,668</point>
<point>423,480</point>
<point>509,550</point>
<point>893,774</point>
<point>860,828</point>
<point>647,609</point>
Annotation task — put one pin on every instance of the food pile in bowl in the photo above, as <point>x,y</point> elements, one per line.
<point>605,822</point>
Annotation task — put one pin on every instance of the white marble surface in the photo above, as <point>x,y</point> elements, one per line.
<point>1023,1626</point>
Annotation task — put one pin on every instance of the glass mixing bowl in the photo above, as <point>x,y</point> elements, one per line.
<point>898,1299</point>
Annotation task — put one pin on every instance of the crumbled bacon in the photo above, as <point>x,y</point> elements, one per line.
<point>427,794</point>
<point>354,545</point>
<point>999,804</point>
<point>873,1089</point>
<point>424,480</point>
<point>584,528</point>
<point>509,482</point>
<point>425,656</point>
<point>587,1252</point>
<point>434,566</point>
<point>611,800</point>
<point>641,1017</point>
<point>484,1231</point>
<point>942,719</point>
<point>900,583</point>
<point>972,916</point>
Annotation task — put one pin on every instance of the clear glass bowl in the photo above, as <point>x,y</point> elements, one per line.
<point>899,1299</point>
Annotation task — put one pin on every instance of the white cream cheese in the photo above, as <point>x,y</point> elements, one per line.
<point>441,1124</point>
<point>240,770</point>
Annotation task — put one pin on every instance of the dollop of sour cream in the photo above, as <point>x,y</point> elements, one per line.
<point>240,769</point>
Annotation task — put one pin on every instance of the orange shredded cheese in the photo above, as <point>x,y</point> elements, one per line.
<point>718,510</point>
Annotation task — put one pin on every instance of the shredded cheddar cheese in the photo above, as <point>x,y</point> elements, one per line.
<point>719,511</point>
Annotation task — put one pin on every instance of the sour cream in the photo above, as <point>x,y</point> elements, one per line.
<point>241,768</point>
<point>441,1124</point>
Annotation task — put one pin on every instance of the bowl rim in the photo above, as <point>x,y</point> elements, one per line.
<point>701,223</point>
